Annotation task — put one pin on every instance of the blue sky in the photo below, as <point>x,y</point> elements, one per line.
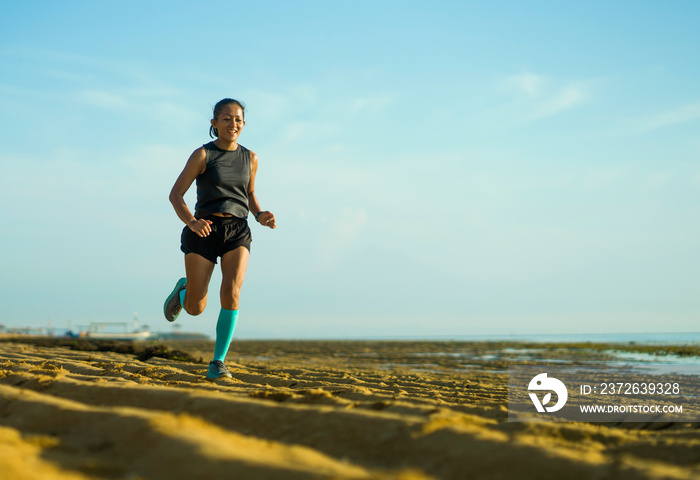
<point>452,168</point>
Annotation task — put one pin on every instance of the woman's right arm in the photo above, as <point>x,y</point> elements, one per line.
<point>195,167</point>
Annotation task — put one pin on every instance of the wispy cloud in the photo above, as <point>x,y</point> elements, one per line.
<point>529,83</point>
<point>683,114</point>
<point>660,179</point>
<point>602,177</point>
<point>564,99</point>
<point>341,233</point>
<point>536,97</point>
<point>103,82</point>
<point>142,102</point>
<point>308,131</point>
<point>372,104</point>
<point>108,100</point>
<point>269,106</point>
<point>83,69</point>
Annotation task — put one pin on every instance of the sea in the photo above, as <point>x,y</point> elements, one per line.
<point>673,338</point>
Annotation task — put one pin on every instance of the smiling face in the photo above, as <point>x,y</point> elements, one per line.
<point>229,122</point>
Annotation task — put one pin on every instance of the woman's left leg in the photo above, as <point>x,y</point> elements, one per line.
<point>233,267</point>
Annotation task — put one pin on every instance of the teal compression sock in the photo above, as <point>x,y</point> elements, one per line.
<point>224,332</point>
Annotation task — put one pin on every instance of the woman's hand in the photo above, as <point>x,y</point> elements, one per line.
<point>266,219</point>
<point>200,226</point>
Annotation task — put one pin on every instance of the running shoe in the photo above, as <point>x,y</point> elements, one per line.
<point>173,307</point>
<point>217,369</point>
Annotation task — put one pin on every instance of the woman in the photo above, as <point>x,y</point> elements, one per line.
<point>225,174</point>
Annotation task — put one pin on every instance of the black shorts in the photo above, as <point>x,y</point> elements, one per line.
<point>227,233</point>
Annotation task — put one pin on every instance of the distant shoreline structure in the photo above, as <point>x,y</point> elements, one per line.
<point>645,338</point>
<point>118,331</point>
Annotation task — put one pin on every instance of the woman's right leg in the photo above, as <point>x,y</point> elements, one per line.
<point>198,271</point>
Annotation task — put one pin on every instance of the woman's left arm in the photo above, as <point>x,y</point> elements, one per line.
<point>264,218</point>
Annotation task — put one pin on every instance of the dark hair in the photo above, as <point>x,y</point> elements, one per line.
<point>217,110</point>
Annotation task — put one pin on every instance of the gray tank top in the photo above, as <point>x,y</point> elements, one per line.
<point>223,187</point>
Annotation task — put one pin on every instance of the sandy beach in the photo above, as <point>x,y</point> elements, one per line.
<point>306,410</point>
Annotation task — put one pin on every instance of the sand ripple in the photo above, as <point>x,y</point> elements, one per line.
<point>310,413</point>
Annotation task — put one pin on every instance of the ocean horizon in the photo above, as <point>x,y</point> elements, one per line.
<point>644,338</point>
<point>655,338</point>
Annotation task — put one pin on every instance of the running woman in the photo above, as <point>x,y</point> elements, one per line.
<point>225,174</point>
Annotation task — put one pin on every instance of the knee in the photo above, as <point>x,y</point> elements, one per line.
<point>194,308</point>
<point>230,297</point>
<point>234,294</point>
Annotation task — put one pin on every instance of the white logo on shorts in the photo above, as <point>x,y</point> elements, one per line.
<point>541,382</point>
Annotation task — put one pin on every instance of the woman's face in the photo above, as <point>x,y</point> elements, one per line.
<point>229,123</point>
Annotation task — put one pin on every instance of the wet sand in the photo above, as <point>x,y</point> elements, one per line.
<point>309,409</point>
